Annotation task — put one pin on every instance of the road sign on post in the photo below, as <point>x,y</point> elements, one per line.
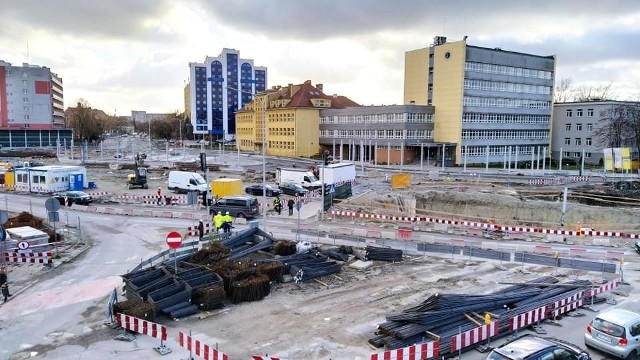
<point>174,239</point>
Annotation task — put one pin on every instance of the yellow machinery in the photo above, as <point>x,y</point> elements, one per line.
<point>7,176</point>
<point>225,187</point>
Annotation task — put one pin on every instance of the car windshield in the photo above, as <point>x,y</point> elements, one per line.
<point>494,355</point>
<point>608,328</point>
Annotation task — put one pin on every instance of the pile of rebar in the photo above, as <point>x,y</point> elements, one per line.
<point>212,253</point>
<point>383,254</point>
<point>209,298</point>
<point>308,266</point>
<point>446,315</point>
<point>284,247</point>
<point>253,288</point>
<point>274,270</point>
<point>137,308</point>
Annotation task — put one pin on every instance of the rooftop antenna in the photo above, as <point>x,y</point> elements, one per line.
<point>27,51</point>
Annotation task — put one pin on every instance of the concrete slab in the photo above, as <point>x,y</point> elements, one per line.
<point>361,265</point>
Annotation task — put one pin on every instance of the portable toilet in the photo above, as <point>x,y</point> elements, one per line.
<point>76,181</point>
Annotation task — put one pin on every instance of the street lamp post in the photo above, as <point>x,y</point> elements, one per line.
<point>264,158</point>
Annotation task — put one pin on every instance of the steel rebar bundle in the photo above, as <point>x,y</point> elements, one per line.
<point>383,254</point>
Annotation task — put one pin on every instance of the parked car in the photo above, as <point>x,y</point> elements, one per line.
<point>74,197</point>
<point>237,206</point>
<point>637,246</point>
<point>615,332</point>
<point>531,347</point>
<point>257,190</point>
<point>291,188</point>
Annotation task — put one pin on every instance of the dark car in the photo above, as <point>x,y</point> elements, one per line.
<point>291,188</point>
<point>74,197</point>
<point>637,246</point>
<point>257,190</point>
<point>530,347</point>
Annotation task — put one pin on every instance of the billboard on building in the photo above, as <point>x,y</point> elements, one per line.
<point>617,158</point>
<point>608,159</point>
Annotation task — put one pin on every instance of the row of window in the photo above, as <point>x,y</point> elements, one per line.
<point>287,145</point>
<point>578,141</point>
<point>506,86</point>
<point>505,135</point>
<point>506,103</point>
<point>281,117</point>
<point>506,70</point>
<point>377,118</point>
<point>480,118</point>
<point>377,134</point>
<point>500,150</point>
<point>567,127</point>
<point>579,112</point>
<point>289,131</point>
<point>576,154</point>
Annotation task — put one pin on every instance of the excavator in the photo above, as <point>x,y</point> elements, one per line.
<point>139,178</point>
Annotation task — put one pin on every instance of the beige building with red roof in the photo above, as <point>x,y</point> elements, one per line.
<point>292,115</point>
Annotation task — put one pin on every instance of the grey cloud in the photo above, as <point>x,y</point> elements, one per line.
<point>323,19</point>
<point>115,19</point>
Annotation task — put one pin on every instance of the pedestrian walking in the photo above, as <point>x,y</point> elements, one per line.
<point>227,223</point>
<point>4,284</point>
<point>159,195</point>
<point>277,205</point>
<point>218,220</point>
<point>200,230</point>
<point>290,205</point>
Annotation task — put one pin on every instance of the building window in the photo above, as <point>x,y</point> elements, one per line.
<point>579,113</point>
<point>578,141</point>
<point>577,154</point>
<point>590,112</point>
<point>587,155</point>
<point>566,154</point>
<point>578,127</point>
<point>588,141</point>
<point>567,127</point>
<point>567,141</point>
<point>589,127</point>
<point>569,112</point>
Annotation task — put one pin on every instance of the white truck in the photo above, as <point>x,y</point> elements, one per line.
<point>337,173</point>
<point>184,181</point>
<point>298,176</point>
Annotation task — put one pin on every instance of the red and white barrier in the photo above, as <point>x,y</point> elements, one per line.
<point>525,319</point>
<point>606,287</point>
<point>30,258</point>
<point>143,327</point>
<point>571,303</point>
<point>473,336</point>
<point>193,230</point>
<point>520,229</point>
<point>258,357</point>
<point>203,350</point>
<point>414,352</point>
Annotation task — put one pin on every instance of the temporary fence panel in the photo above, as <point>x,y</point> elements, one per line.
<point>205,351</point>
<point>31,258</point>
<point>145,327</point>
<point>606,287</point>
<point>525,319</point>
<point>571,303</point>
<point>414,352</point>
<point>474,336</point>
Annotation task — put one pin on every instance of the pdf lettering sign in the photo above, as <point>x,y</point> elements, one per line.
<point>174,239</point>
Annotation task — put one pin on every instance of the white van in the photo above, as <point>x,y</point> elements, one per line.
<point>184,181</point>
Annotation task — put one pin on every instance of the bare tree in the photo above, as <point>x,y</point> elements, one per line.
<point>564,91</point>
<point>620,127</point>
<point>593,93</point>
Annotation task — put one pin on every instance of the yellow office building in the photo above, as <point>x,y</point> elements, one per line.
<point>292,116</point>
<point>491,105</point>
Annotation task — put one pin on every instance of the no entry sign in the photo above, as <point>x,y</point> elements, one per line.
<point>174,239</point>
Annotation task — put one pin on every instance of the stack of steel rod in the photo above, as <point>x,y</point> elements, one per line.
<point>383,254</point>
<point>446,315</point>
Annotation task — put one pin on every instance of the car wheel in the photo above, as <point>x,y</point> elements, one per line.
<point>633,355</point>
<point>240,216</point>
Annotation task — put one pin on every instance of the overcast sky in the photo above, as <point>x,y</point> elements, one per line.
<point>123,55</point>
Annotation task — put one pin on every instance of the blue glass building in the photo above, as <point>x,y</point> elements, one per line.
<point>219,87</point>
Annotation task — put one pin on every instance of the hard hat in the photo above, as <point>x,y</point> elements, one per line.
<point>227,213</point>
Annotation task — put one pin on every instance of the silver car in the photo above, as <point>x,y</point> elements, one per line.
<point>615,332</point>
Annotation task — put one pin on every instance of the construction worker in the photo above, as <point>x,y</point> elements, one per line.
<point>159,195</point>
<point>277,204</point>
<point>227,221</point>
<point>218,220</point>
<point>200,230</point>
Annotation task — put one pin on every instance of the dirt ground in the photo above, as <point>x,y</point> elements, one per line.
<point>333,318</point>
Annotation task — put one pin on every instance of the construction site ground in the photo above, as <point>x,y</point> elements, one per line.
<point>334,317</point>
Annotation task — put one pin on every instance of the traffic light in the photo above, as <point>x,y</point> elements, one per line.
<point>325,157</point>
